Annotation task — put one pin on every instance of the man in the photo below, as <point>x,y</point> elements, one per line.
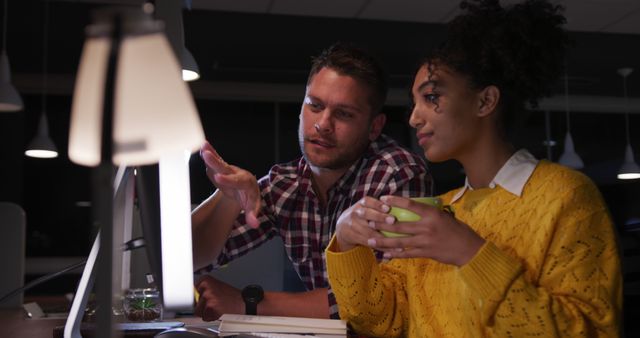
<point>345,158</point>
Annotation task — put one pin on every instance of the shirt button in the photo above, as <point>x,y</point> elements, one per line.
<point>492,185</point>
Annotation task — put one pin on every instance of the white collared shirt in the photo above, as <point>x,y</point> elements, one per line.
<point>512,177</point>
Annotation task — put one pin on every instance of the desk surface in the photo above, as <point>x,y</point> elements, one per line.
<point>14,323</point>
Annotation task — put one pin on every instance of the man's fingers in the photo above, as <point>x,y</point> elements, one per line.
<point>209,314</point>
<point>206,147</point>
<point>236,179</point>
<point>200,307</point>
<point>252,219</point>
<point>215,162</point>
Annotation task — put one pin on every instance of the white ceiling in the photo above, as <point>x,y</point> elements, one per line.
<point>611,16</point>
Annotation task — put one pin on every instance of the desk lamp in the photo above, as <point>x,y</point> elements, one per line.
<point>130,107</point>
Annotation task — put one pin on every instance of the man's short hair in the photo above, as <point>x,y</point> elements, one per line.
<point>349,60</point>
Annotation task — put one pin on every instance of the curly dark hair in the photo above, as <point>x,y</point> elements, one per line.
<point>519,49</point>
<point>348,59</point>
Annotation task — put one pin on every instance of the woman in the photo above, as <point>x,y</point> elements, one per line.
<point>531,249</point>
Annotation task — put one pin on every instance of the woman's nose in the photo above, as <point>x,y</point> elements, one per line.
<point>414,120</point>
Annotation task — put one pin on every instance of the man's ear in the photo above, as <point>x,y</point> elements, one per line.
<point>488,99</point>
<point>376,126</point>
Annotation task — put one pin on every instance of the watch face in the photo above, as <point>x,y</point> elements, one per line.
<point>252,293</point>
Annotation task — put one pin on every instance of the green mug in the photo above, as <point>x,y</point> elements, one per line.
<point>404,215</point>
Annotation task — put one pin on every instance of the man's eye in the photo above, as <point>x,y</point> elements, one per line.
<point>343,114</point>
<point>314,106</point>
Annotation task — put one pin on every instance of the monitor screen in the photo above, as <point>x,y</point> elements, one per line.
<point>148,200</point>
<point>165,213</point>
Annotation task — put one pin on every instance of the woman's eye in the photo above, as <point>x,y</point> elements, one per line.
<point>431,98</point>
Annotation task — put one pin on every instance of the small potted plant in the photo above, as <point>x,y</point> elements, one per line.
<point>142,305</point>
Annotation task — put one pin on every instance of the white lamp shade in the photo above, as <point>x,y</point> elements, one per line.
<point>154,112</point>
<point>10,100</point>
<point>569,157</point>
<point>190,70</point>
<point>630,169</point>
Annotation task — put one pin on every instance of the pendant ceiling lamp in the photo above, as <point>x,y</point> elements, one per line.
<point>42,145</point>
<point>10,100</point>
<point>170,12</point>
<point>190,69</point>
<point>569,156</point>
<point>630,169</point>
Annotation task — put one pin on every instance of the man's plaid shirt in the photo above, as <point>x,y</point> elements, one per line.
<point>292,210</point>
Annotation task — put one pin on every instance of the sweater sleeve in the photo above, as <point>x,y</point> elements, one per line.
<point>578,290</point>
<point>372,296</point>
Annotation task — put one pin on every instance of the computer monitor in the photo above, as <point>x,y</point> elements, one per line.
<point>163,197</point>
<point>148,200</point>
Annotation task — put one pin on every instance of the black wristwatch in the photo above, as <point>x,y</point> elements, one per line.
<point>252,295</point>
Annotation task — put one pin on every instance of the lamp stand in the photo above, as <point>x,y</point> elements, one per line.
<point>102,252</point>
<point>103,193</point>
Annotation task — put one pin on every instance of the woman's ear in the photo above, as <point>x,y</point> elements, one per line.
<point>488,99</point>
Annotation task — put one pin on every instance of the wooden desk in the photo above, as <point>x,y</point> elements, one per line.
<point>14,323</point>
<point>87,330</point>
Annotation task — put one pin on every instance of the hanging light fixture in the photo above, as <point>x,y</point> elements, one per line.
<point>10,100</point>
<point>42,146</point>
<point>548,142</point>
<point>569,156</point>
<point>170,12</point>
<point>630,169</point>
<point>190,69</point>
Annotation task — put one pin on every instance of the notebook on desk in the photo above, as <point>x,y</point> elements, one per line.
<point>275,327</point>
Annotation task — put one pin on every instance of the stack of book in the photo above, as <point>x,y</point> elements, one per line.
<point>285,327</point>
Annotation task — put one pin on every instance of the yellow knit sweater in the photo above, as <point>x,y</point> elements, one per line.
<point>549,268</point>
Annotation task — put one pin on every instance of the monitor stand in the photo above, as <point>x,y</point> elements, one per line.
<point>74,320</point>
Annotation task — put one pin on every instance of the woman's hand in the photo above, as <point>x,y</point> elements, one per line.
<point>354,226</point>
<point>437,235</point>
<point>235,183</point>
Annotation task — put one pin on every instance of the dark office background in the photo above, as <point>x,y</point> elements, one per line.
<point>254,130</point>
